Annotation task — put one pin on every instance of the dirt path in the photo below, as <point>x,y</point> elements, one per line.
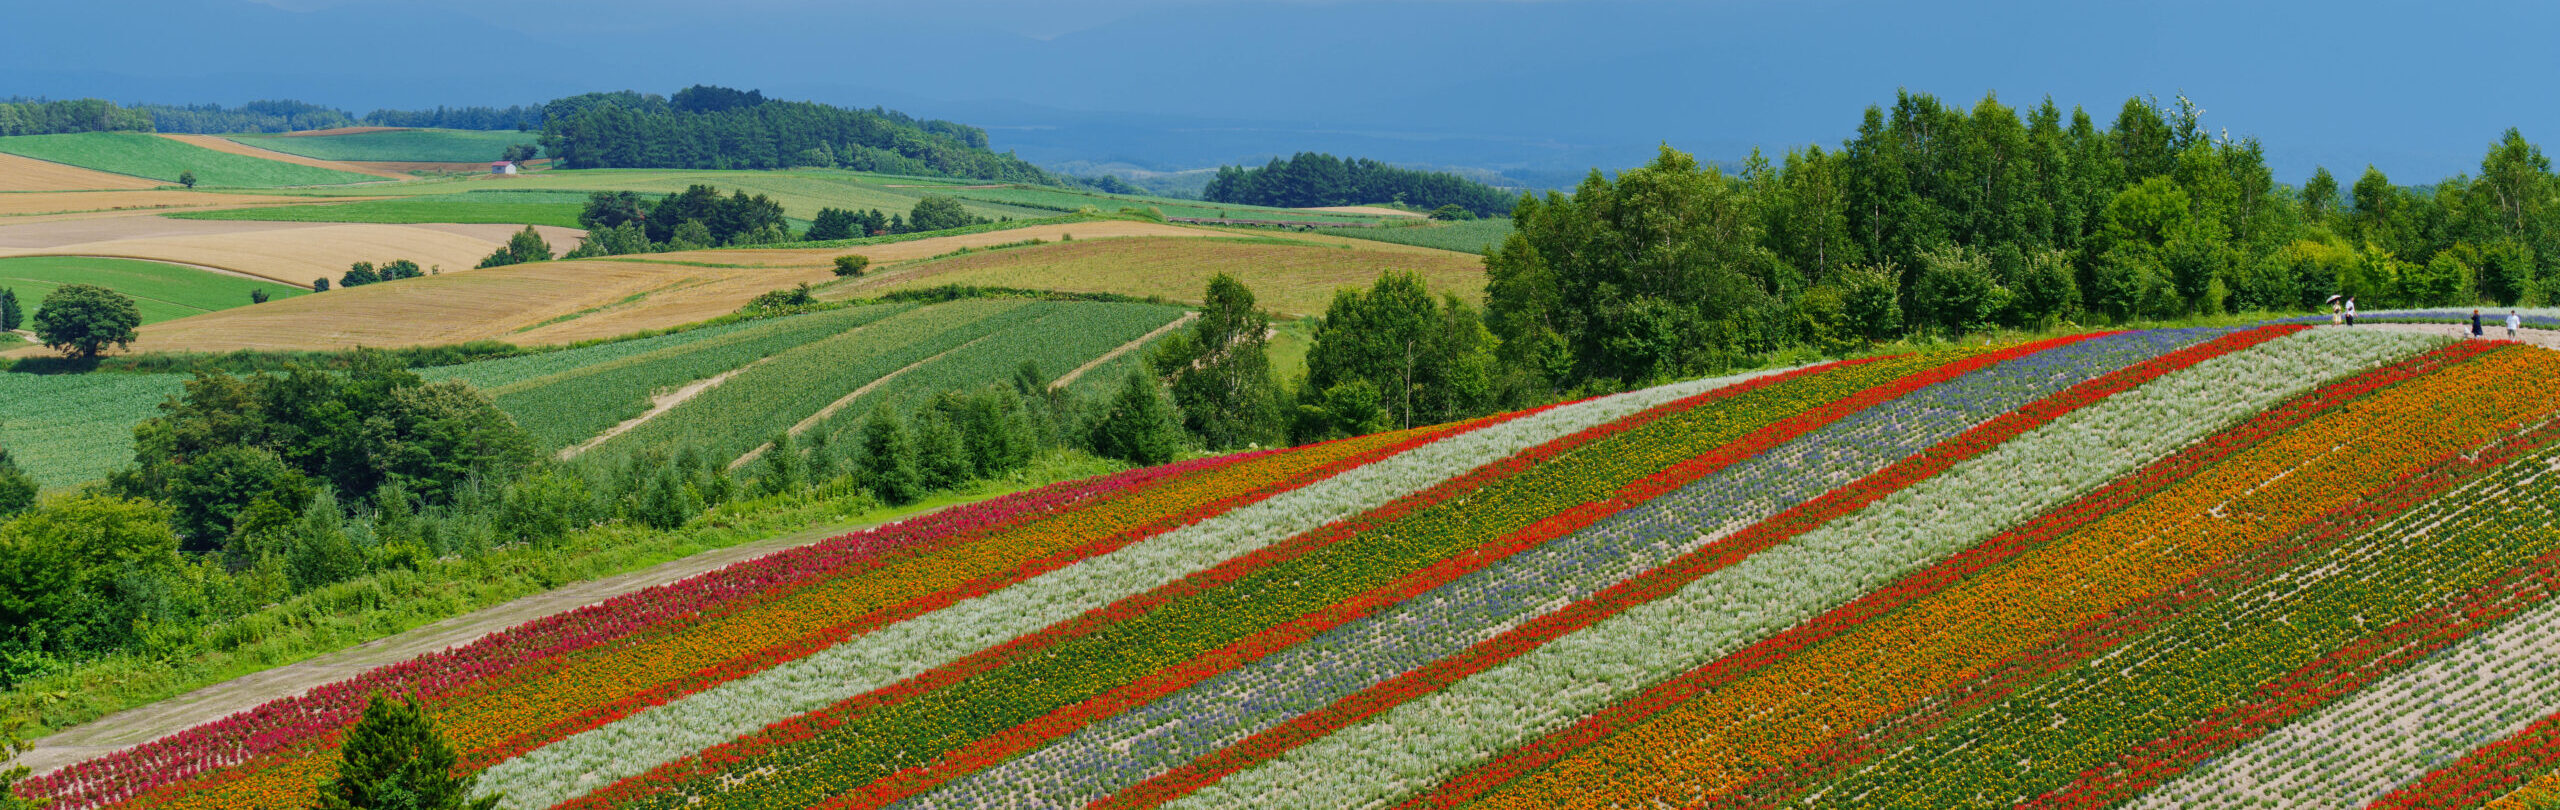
<point>839,404</point>
<point>2495,329</point>
<point>146,723</point>
<point>658,405</point>
<point>1125,348</point>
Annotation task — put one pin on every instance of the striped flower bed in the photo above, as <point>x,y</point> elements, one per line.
<point>2273,566</point>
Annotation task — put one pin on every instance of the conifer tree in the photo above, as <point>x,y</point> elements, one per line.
<point>396,758</point>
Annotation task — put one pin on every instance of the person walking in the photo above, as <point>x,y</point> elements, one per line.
<point>2333,312</point>
<point>2351,311</point>
<point>2513,321</point>
<point>2475,324</point>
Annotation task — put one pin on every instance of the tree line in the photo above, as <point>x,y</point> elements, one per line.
<point>706,127</point>
<point>25,116</point>
<point>1311,180</point>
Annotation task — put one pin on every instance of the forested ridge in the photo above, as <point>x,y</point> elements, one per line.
<point>719,128</point>
<point>1311,179</point>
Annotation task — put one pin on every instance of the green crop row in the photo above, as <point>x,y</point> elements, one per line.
<point>567,397</point>
<point>1464,237</point>
<point>1069,335</point>
<point>160,158</point>
<point>741,413</point>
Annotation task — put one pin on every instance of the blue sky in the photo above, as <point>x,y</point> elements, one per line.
<point>1559,85</point>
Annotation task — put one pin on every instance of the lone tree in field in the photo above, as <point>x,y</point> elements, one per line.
<point>319,285</point>
<point>395,758</point>
<point>187,178</point>
<point>10,315</point>
<point>257,295</point>
<point>83,320</point>
<point>851,264</point>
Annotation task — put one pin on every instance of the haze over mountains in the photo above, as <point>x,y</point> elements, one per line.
<point>1539,90</point>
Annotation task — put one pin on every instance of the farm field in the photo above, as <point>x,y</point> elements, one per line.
<point>159,158</point>
<point>1287,276</point>
<point>395,145</point>
<point>1473,236</point>
<point>800,191</point>
<point>1068,200</point>
<point>23,207</point>
<point>2217,567</point>
<point>228,146</point>
<point>306,251</point>
<point>29,174</point>
<point>570,396</point>
<point>889,360</point>
<point>162,291</point>
<point>71,429</point>
<point>493,207</point>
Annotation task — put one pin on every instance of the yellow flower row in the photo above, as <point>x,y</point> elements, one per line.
<point>1768,718</point>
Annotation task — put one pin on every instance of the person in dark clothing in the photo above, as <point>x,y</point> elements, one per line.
<point>2475,323</point>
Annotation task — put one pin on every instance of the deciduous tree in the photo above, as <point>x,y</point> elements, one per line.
<point>84,320</point>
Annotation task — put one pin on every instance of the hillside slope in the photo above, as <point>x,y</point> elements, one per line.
<point>2206,567</point>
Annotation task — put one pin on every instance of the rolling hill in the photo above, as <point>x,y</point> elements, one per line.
<point>2216,567</point>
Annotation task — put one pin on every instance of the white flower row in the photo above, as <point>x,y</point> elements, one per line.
<point>1124,750</point>
<point>584,762</point>
<point>2393,732</point>
<point>1420,743</point>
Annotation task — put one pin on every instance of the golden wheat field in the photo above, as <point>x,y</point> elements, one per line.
<point>19,173</point>
<point>297,253</point>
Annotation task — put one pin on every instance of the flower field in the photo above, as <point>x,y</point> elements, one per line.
<point>2277,566</point>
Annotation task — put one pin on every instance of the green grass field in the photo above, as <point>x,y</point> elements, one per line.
<point>735,417</point>
<point>567,397</point>
<point>162,291</point>
<point>70,429</point>
<point>488,207</point>
<point>159,158</point>
<point>1472,236</point>
<point>407,145</point>
<point>1061,199</point>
